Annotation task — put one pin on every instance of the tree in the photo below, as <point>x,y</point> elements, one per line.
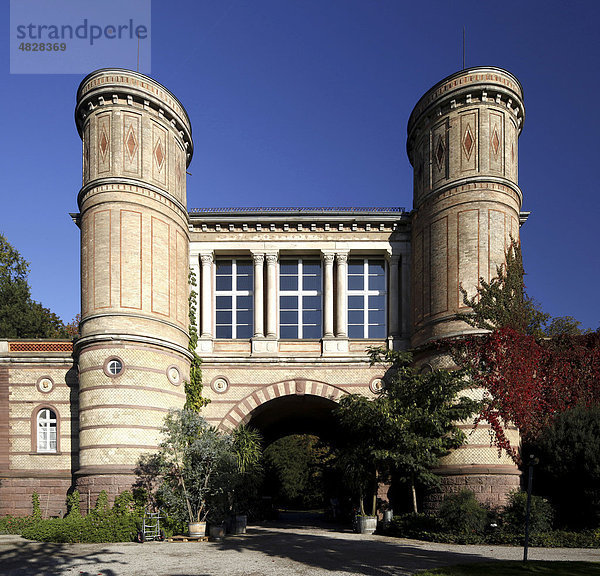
<point>528,378</point>
<point>406,429</point>
<point>530,381</point>
<point>295,468</point>
<point>564,325</point>
<point>194,468</point>
<point>247,448</point>
<point>569,468</point>
<point>20,316</point>
<point>503,302</point>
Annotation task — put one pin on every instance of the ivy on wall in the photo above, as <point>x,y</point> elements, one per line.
<point>193,389</point>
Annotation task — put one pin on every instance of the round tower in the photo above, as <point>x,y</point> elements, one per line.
<point>132,354</point>
<point>463,146</point>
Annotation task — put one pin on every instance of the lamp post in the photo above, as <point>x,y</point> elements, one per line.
<point>532,462</point>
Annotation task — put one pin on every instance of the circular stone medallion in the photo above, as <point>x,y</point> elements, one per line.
<point>220,384</point>
<point>376,385</point>
<point>45,384</point>
<point>174,375</point>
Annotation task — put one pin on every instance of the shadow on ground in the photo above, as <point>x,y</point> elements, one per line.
<point>23,557</point>
<point>335,548</point>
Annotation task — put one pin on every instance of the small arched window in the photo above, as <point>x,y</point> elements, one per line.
<point>46,430</point>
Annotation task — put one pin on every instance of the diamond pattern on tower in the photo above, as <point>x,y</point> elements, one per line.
<point>131,142</point>
<point>103,143</point>
<point>495,142</point>
<point>159,154</point>
<point>440,152</point>
<point>468,142</point>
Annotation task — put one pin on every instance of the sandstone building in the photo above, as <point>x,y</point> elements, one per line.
<point>288,299</point>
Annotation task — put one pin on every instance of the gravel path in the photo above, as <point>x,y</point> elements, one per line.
<point>264,551</point>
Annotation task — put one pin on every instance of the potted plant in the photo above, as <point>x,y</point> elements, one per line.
<point>196,466</point>
<point>361,476</point>
<point>247,447</point>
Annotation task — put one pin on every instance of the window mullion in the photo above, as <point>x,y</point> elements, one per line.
<point>366,298</point>
<point>300,294</point>
<point>234,298</point>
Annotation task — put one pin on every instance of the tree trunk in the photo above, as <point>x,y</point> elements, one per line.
<point>414,497</point>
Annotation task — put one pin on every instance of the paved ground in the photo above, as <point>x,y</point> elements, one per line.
<point>269,550</point>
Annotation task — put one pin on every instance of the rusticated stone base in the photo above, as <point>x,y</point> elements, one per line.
<point>490,487</point>
<point>113,482</point>
<point>16,492</point>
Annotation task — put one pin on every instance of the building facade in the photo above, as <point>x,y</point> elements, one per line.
<point>287,300</point>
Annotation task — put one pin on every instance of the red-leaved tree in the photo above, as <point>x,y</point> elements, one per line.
<point>529,381</point>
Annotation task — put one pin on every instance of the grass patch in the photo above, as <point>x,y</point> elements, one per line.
<point>516,568</point>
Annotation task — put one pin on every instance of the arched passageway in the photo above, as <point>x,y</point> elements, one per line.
<point>294,414</point>
<point>299,432</point>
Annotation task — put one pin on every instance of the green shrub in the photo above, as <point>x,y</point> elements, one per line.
<point>419,526</point>
<point>15,524</point>
<point>73,505</point>
<point>124,503</point>
<point>540,517</point>
<point>102,524</point>
<point>565,539</point>
<point>569,466</point>
<point>461,513</point>
<point>101,508</point>
<point>35,504</point>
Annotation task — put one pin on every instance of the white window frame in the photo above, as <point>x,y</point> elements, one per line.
<point>234,293</point>
<point>300,293</point>
<point>45,419</point>
<point>366,292</point>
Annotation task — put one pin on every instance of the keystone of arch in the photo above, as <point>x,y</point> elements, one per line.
<point>240,413</point>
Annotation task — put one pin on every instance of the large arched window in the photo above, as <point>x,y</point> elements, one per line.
<point>46,430</point>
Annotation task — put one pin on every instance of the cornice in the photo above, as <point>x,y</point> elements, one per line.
<point>299,219</point>
<point>116,86</point>
<point>486,85</point>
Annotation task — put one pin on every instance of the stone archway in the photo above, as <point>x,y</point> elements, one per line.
<point>293,389</point>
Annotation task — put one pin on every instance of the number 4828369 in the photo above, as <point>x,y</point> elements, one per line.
<point>42,46</point>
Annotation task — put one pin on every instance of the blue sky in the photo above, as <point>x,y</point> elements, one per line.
<point>305,103</point>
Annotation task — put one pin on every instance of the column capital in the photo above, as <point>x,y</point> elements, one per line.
<point>271,257</point>
<point>341,257</point>
<point>392,258</point>
<point>258,258</point>
<point>328,257</point>
<point>207,258</point>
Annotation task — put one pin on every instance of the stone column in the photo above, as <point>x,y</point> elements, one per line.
<point>271,295</point>
<point>342,295</point>
<point>206,294</point>
<point>259,329</point>
<point>328,259</point>
<point>405,287</point>
<point>393,296</point>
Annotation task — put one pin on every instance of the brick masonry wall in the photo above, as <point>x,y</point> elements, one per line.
<point>89,488</point>
<point>15,493</point>
<point>492,489</point>
<point>4,426</point>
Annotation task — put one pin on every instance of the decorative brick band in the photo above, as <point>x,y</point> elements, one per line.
<point>133,387</point>
<point>500,469</point>
<point>299,387</point>
<point>108,446</point>
<point>39,346</point>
